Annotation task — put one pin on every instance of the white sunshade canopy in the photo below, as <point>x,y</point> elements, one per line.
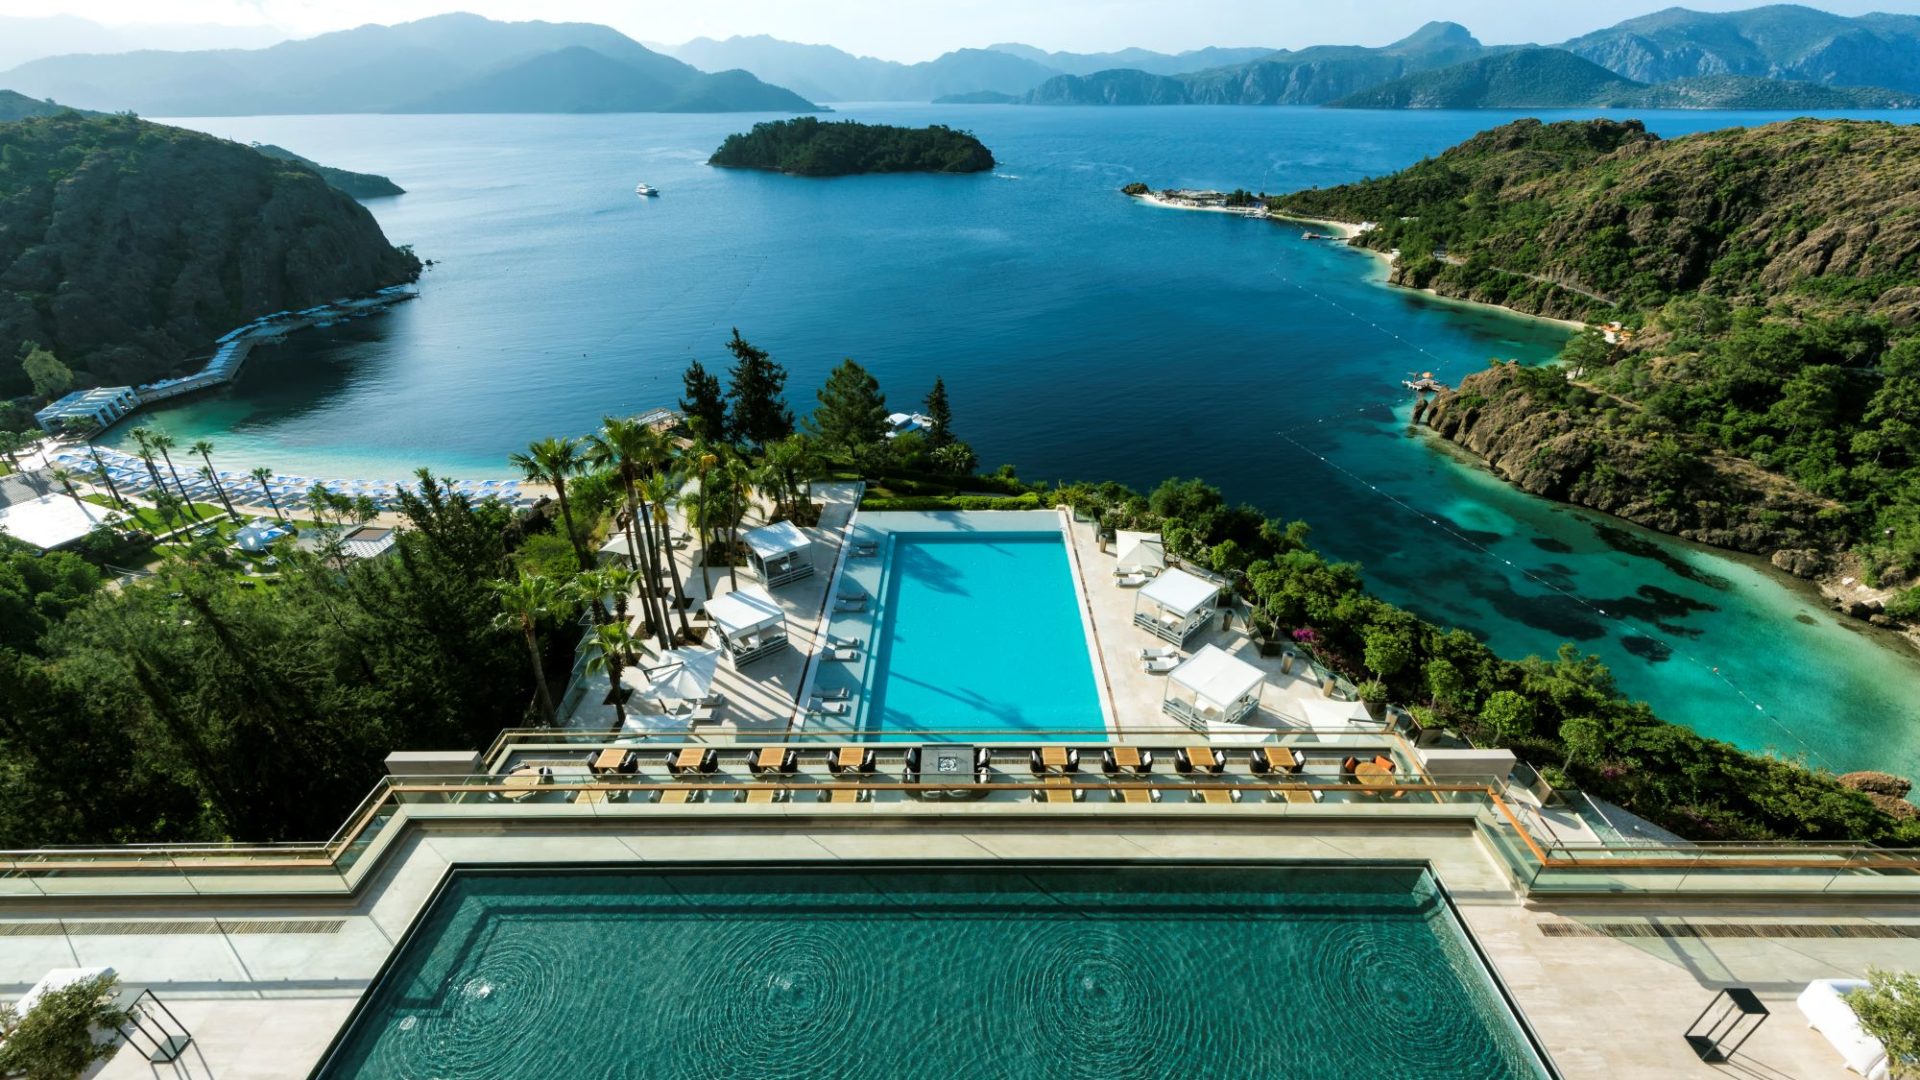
<point>52,520</point>
<point>1326,713</point>
<point>1217,677</point>
<point>743,611</point>
<point>683,673</point>
<point>1140,550</point>
<point>1180,592</point>
<point>775,540</point>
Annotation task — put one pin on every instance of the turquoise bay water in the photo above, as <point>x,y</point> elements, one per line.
<point>981,632</point>
<point>1203,971</point>
<point>1081,334</point>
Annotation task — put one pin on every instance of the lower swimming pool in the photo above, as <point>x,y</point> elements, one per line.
<point>938,971</point>
<point>975,626</point>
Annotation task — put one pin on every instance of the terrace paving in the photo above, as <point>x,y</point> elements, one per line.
<point>266,1004</point>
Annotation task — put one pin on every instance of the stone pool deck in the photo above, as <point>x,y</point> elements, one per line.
<point>264,1002</point>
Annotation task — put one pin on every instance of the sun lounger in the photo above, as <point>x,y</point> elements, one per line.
<point>1132,581</point>
<point>839,694</point>
<point>850,603</point>
<point>845,656</point>
<point>1159,654</point>
<point>828,708</point>
<point>1163,665</point>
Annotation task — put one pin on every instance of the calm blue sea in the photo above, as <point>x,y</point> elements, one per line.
<point>1081,335</point>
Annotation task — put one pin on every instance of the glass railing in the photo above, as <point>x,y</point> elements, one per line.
<point>552,773</point>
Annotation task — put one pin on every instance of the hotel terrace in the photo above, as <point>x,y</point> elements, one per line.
<point>973,693</point>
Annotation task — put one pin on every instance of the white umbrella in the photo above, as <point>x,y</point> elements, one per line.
<point>686,674</point>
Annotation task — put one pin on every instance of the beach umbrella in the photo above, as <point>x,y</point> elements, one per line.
<point>685,674</point>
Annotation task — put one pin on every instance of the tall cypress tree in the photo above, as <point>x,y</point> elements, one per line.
<point>852,412</point>
<point>938,411</point>
<point>760,414</point>
<point>704,404</point>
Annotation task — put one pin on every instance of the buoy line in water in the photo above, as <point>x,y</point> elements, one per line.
<point>1650,632</point>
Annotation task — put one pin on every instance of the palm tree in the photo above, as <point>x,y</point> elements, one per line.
<point>591,588</point>
<point>164,442</point>
<point>624,446</point>
<point>524,601</point>
<point>655,492</point>
<point>143,439</point>
<point>609,647</point>
<point>100,468</point>
<point>261,474</point>
<point>699,460</point>
<point>736,476</point>
<point>64,477</point>
<point>552,461</point>
<point>204,448</point>
<point>11,443</point>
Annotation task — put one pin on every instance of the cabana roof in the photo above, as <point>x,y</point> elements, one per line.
<point>775,540</point>
<point>1327,713</point>
<point>1217,677</point>
<point>745,610</point>
<point>1140,550</point>
<point>1180,592</point>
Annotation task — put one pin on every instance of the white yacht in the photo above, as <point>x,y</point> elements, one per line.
<point>645,189</point>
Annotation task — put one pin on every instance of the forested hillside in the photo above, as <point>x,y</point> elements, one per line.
<point>127,247</point>
<point>1768,279</point>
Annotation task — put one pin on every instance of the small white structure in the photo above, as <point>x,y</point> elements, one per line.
<point>750,622</point>
<point>1174,605</point>
<point>1139,551</point>
<point>259,535</point>
<point>1326,714</point>
<point>1213,686</point>
<point>1825,1006</point>
<point>367,542</point>
<point>1490,767</point>
<point>100,407</point>
<point>52,521</point>
<point>900,423</point>
<point>780,553</point>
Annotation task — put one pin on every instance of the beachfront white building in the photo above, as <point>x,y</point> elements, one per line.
<point>900,423</point>
<point>100,407</point>
<point>780,553</point>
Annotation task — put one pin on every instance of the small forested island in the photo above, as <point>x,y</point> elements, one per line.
<point>806,146</point>
<point>127,247</point>
<point>1750,377</point>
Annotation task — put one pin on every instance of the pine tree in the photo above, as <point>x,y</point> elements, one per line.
<point>852,412</point>
<point>760,414</point>
<point>938,411</point>
<point>704,404</point>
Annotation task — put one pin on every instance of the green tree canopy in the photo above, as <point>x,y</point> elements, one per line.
<point>852,413</point>
<point>48,376</point>
<point>760,413</point>
<point>705,403</point>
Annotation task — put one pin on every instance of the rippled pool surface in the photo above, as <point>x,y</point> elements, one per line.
<point>941,973</point>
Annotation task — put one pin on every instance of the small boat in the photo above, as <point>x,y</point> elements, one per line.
<point>645,189</point>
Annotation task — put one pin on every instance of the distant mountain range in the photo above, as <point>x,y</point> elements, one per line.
<point>30,37</point>
<point>448,63</point>
<point>1782,56</point>
<point>1556,78</point>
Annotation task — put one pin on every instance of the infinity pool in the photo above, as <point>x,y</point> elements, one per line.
<point>975,627</point>
<point>938,972</point>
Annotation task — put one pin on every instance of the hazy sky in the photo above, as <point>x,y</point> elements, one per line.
<point>919,29</point>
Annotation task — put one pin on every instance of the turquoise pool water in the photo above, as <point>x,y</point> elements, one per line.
<point>980,632</point>
<point>1098,971</point>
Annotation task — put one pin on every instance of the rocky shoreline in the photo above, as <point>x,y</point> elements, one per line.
<point>1726,502</point>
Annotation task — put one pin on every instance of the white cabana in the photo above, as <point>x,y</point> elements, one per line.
<point>779,552</point>
<point>1140,551</point>
<point>682,675</point>
<point>750,622</point>
<point>1174,605</point>
<point>1213,685</point>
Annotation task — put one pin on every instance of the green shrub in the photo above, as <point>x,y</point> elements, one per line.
<point>1029,501</point>
<point>54,1041</point>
